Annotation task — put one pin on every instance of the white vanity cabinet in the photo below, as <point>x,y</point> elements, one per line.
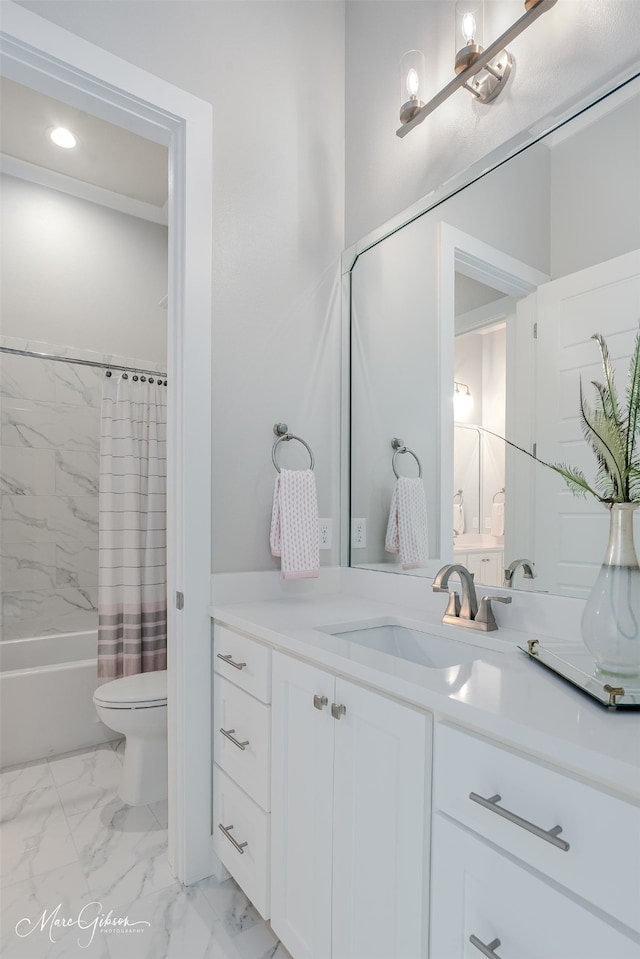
<point>350,818</point>
<point>503,871</point>
<point>485,564</point>
<point>242,761</point>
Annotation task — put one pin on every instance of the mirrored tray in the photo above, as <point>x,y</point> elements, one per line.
<point>577,667</point>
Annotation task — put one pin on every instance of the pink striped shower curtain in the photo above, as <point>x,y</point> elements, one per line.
<point>132,579</point>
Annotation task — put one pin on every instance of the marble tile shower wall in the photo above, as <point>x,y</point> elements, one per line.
<point>49,481</point>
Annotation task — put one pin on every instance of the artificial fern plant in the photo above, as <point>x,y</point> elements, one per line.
<point>613,433</point>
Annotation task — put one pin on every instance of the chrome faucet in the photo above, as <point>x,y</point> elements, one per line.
<point>528,567</point>
<point>466,612</point>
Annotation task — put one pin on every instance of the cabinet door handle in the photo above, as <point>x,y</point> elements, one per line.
<point>338,710</point>
<point>238,845</point>
<point>319,702</point>
<point>229,659</point>
<point>227,733</point>
<point>488,949</point>
<point>549,835</point>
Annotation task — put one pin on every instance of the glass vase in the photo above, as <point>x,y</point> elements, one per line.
<point>611,617</point>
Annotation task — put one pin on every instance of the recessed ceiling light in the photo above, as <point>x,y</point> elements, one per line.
<point>63,138</point>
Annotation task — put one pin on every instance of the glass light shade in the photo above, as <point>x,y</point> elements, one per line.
<point>411,84</point>
<point>63,138</point>
<point>469,30</point>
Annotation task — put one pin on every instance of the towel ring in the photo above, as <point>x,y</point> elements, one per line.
<point>401,448</point>
<point>499,493</point>
<point>455,496</point>
<point>280,429</point>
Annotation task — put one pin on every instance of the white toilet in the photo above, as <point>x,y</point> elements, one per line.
<point>136,706</point>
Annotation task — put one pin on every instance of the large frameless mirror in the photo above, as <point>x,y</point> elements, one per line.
<point>473,322</point>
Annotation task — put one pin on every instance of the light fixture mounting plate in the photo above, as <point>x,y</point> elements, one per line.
<point>491,81</point>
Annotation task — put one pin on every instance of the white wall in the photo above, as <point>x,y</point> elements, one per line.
<point>584,194</point>
<point>75,274</point>
<point>569,51</point>
<point>274,72</point>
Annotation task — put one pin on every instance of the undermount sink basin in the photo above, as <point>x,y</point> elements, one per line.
<point>406,642</point>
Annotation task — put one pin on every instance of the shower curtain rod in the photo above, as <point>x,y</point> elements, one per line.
<point>70,359</point>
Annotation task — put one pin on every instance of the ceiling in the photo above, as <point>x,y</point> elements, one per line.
<point>106,156</point>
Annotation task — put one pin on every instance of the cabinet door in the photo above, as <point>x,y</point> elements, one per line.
<point>478,892</point>
<point>381,828</point>
<point>301,807</point>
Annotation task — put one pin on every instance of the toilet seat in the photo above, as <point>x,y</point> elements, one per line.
<point>141,691</point>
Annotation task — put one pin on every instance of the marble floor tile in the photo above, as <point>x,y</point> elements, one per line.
<point>161,811</point>
<point>230,905</point>
<point>22,779</point>
<point>181,926</point>
<point>118,746</point>
<point>34,835</point>
<point>32,911</point>
<point>87,778</point>
<point>123,852</point>
<point>258,942</point>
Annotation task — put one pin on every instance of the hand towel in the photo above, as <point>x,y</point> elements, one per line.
<point>407,526</point>
<point>458,519</point>
<point>294,524</point>
<point>497,519</point>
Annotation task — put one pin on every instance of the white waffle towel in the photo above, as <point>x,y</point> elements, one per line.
<point>294,524</point>
<point>407,526</point>
<point>497,519</point>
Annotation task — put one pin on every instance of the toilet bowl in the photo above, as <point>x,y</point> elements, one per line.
<point>136,706</point>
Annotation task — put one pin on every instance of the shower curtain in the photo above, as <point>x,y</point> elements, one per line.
<point>132,580</point>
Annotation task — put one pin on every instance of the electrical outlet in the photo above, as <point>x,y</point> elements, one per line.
<point>325,531</point>
<point>476,522</point>
<point>358,533</point>
<point>487,522</point>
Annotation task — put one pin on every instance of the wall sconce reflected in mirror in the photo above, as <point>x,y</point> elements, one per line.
<point>483,72</point>
<point>462,400</point>
<point>411,84</point>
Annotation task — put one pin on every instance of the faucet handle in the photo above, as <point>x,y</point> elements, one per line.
<point>485,612</point>
<point>453,606</point>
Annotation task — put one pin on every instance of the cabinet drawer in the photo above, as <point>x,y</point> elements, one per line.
<point>481,893</point>
<point>243,662</point>
<point>248,865</point>
<point>247,760</point>
<point>602,863</point>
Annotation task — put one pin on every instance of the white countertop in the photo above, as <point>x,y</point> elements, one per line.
<point>502,694</point>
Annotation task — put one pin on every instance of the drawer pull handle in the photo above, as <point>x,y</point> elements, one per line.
<point>488,949</point>
<point>238,845</point>
<point>549,835</point>
<point>228,659</point>
<point>227,733</point>
<point>319,702</point>
<point>338,710</point>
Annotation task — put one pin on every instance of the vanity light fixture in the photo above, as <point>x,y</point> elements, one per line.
<point>462,400</point>
<point>411,84</point>
<point>63,138</point>
<point>483,72</point>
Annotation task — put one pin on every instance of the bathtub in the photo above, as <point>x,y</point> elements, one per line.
<point>46,697</point>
